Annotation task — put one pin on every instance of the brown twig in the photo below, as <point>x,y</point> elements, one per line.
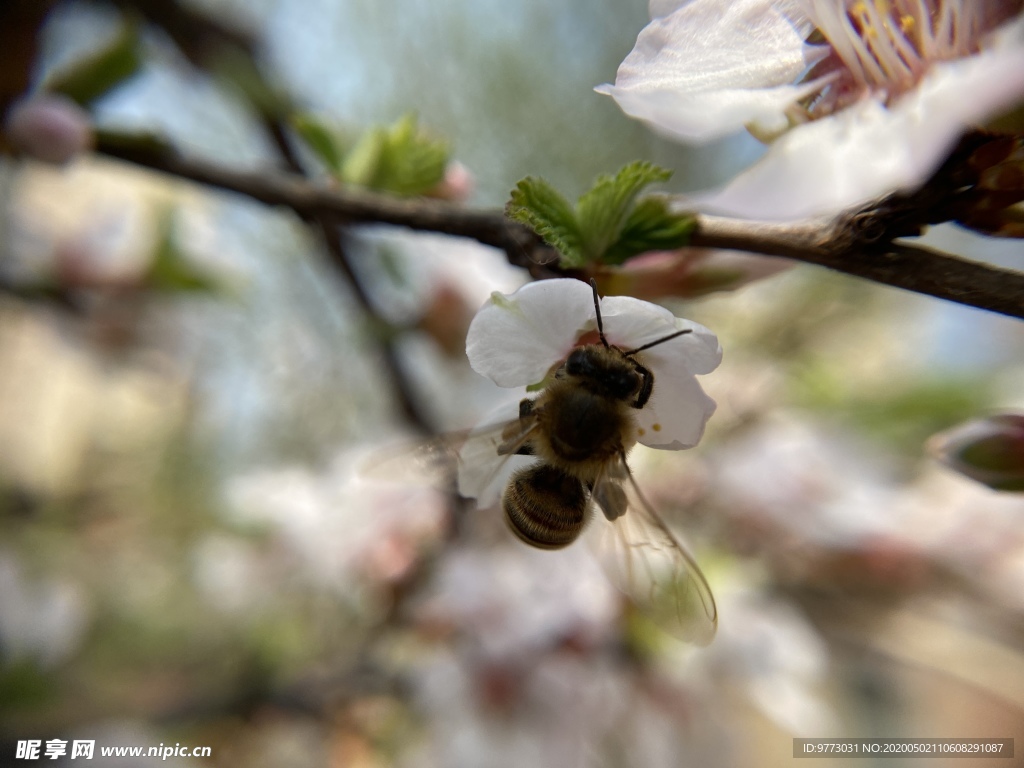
<point>351,206</point>
<point>836,244</point>
<point>334,241</point>
<point>202,37</point>
<point>211,44</point>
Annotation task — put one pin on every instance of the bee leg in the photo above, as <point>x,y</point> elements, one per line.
<point>525,411</point>
<point>646,387</point>
<point>612,499</point>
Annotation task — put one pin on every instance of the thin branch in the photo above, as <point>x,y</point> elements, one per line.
<point>334,240</point>
<point>346,205</point>
<point>836,244</point>
<point>202,37</point>
<point>52,294</point>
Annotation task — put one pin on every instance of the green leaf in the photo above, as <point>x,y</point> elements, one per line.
<point>320,140</point>
<point>170,270</point>
<point>651,226</point>
<point>608,224</point>
<point>603,211</point>
<point>362,162</point>
<point>541,207</point>
<point>412,162</point>
<point>88,79</point>
<point>401,159</point>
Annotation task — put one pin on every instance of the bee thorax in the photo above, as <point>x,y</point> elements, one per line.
<point>583,426</point>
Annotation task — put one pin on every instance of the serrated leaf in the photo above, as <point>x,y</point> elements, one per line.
<point>541,207</point>
<point>400,159</point>
<point>603,211</point>
<point>651,226</point>
<point>321,140</point>
<point>88,79</point>
<point>412,162</point>
<point>361,164</point>
<point>608,224</point>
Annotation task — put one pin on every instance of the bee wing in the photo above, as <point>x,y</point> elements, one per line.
<point>487,451</point>
<point>473,458</point>
<point>645,560</point>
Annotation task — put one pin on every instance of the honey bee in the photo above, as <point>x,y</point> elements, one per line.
<point>579,430</point>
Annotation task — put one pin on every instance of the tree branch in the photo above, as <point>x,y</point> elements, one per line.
<point>345,205</point>
<point>334,240</point>
<point>834,244</point>
<point>838,244</point>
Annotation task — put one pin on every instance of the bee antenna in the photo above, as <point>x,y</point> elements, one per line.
<point>597,309</point>
<point>656,342</point>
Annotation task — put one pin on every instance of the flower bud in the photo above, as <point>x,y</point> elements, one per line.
<point>989,450</point>
<point>686,273</point>
<point>50,128</point>
<point>446,319</point>
<point>456,186</point>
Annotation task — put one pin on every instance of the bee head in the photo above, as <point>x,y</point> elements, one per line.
<point>603,370</point>
<point>609,370</point>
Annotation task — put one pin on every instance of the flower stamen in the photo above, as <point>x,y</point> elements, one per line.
<point>885,47</point>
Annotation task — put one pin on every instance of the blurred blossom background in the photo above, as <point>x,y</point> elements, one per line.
<point>191,550</point>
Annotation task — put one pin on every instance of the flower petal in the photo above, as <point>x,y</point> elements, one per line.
<point>514,340</point>
<point>709,67</point>
<point>658,8</point>
<point>631,323</point>
<point>675,416</point>
<point>483,473</point>
<point>868,150</point>
<point>677,412</point>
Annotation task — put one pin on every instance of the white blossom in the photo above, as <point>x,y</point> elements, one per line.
<point>42,618</point>
<point>772,652</point>
<point>340,528</point>
<point>513,600</point>
<point>870,94</point>
<point>519,340</point>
